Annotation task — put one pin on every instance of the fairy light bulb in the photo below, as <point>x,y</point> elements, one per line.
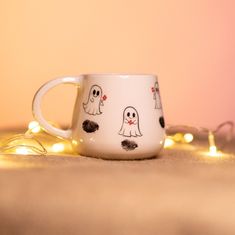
<point>74,142</point>
<point>22,150</point>
<point>58,147</point>
<point>211,139</point>
<point>34,127</point>
<point>188,137</point>
<point>178,137</point>
<point>213,150</point>
<point>212,147</point>
<point>168,142</point>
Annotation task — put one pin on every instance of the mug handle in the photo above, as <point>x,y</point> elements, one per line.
<point>36,105</point>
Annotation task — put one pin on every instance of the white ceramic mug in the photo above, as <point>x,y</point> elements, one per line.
<point>116,116</point>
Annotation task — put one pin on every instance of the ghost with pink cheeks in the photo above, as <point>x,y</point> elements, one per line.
<point>94,101</point>
<point>130,123</point>
<point>156,96</point>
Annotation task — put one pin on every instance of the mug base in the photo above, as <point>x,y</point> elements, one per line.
<point>121,156</point>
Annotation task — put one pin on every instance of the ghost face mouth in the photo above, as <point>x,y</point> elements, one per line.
<point>131,118</point>
<point>131,121</point>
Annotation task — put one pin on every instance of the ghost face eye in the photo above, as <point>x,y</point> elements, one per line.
<point>133,115</point>
<point>128,114</point>
<point>97,93</point>
<point>94,92</point>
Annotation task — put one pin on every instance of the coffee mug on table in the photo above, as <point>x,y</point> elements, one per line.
<point>116,116</point>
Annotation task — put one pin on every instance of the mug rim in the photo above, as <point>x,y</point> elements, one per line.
<point>120,75</point>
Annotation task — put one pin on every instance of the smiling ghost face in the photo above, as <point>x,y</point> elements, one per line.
<point>130,124</point>
<point>130,116</point>
<point>96,92</point>
<point>94,101</point>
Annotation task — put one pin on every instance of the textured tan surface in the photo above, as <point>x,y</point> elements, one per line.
<point>181,192</point>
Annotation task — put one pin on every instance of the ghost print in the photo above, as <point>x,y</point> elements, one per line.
<point>94,101</point>
<point>156,96</point>
<point>130,123</point>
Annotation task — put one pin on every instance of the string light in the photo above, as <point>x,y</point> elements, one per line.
<point>22,150</point>
<point>34,127</point>
<point>212,147</point>
<point>23,144</point>
<point>36,141</point>
<point>180,137</point>
<point>188,137</point>
<point>169,142</point>
<point>213,152</point>
<point>58,147</point>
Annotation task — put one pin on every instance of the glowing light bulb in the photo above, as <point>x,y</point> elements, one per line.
<point>213,152</point>
<point>188,137</point>
<point>22,150</point>
<point>212,147</point>
<point>168,143</point>
<point>58,147</point>
<point>178,137</point>
<point>74,142</point>
<point>34,127</point>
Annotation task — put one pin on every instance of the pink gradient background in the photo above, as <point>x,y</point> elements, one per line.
<point>189,44</point>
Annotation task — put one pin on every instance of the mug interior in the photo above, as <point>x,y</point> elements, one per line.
<point>119,75</point>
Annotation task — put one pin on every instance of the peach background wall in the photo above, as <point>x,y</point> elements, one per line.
<point>189,44</point>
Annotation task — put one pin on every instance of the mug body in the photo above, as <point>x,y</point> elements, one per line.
<point>118,116</point>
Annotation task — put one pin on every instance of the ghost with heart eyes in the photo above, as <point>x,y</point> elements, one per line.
<point>130,123</point>
<point>94,101</point>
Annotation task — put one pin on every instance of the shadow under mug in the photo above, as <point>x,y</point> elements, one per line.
<point>116,116</point>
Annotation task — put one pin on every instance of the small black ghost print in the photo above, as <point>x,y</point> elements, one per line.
<point>90,126</point>
<point>94,101</point>
<point>162,122</point>
<point>130,123</point>
<point>156,96</point>
<point>129,145</point>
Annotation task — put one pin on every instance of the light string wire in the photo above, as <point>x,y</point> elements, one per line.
<point>179,137</point>
<point>17,144</point>
<point>42,143</point>
<point>8,144</point>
